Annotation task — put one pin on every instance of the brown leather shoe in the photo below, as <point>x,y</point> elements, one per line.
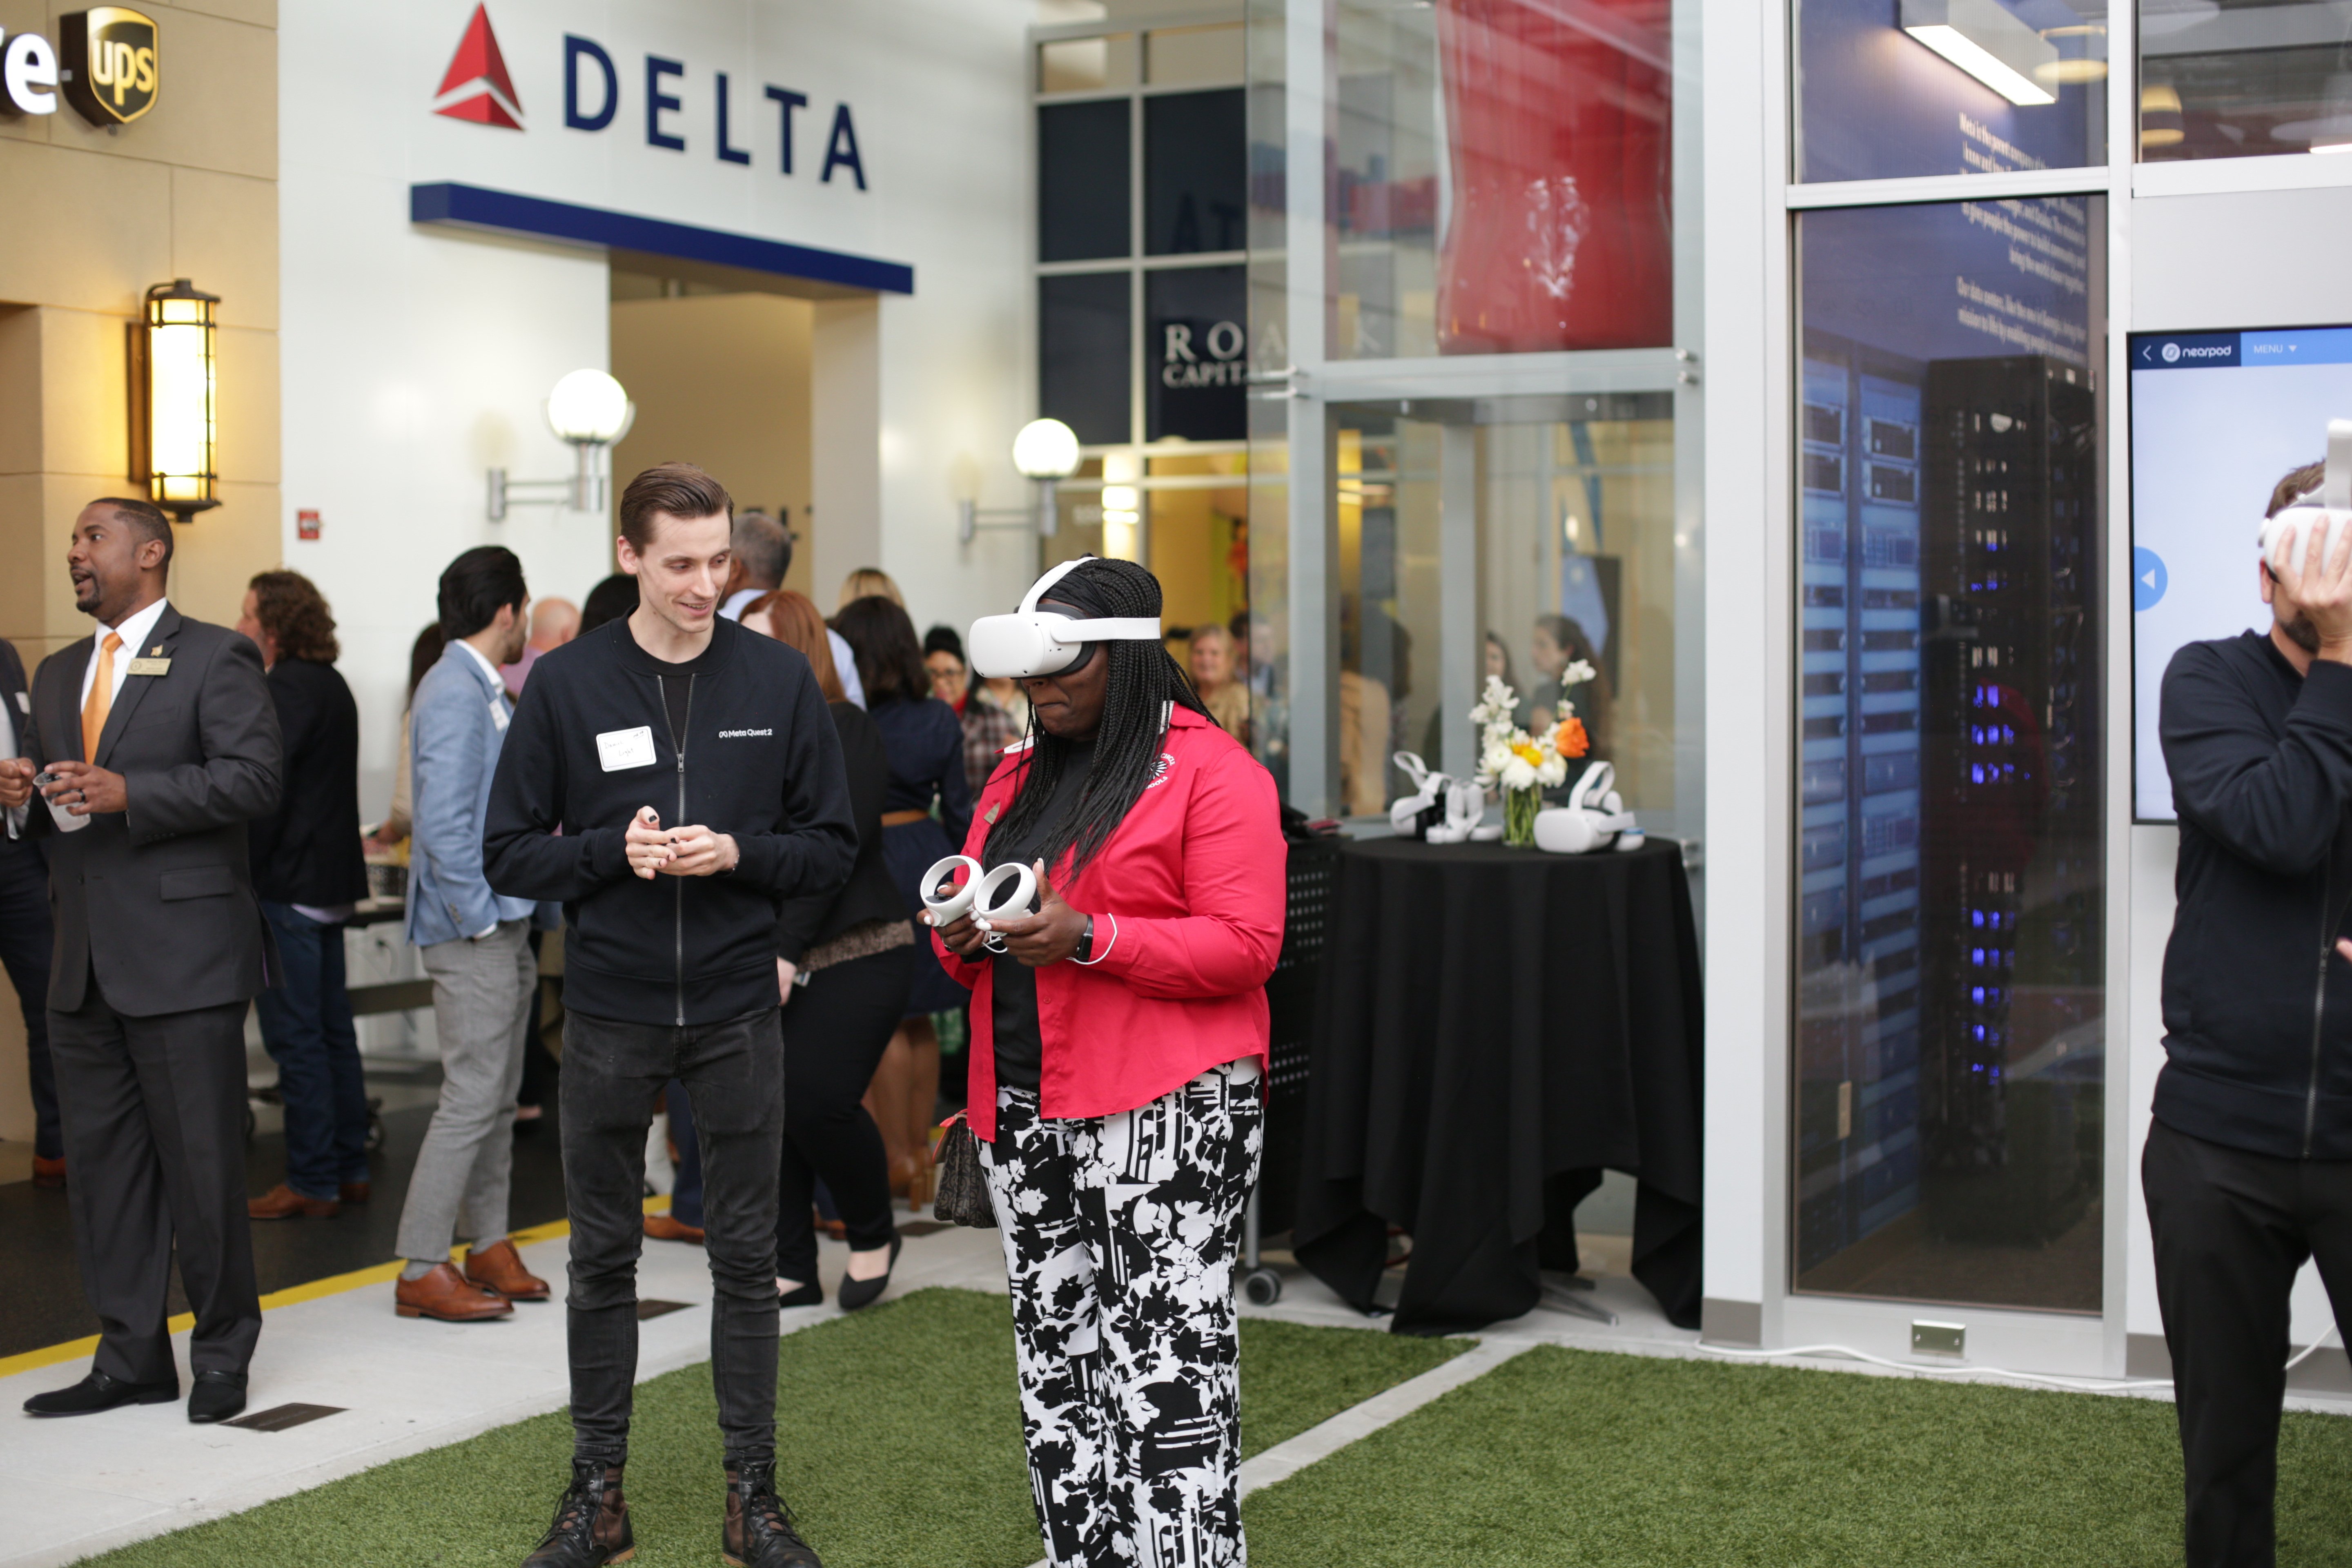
<point>48,1174</point>
<point>449,1296</point>
<point>661,1227</point>
<point>353,1192</point>
<point>282,1202</point>
<point>499,1267</point>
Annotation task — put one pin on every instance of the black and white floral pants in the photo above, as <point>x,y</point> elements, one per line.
<point>1119,1238</point>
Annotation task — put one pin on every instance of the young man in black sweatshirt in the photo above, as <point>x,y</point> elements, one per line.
<point>2248,1168</point>
<point>671,778</point>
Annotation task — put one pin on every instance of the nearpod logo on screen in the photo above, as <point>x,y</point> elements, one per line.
<point>2184,351</point>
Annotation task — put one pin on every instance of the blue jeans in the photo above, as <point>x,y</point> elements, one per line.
<point>306,1025</point>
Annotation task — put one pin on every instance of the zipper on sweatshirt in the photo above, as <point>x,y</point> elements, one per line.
<point>677,744</point>
<point>2330,918</point>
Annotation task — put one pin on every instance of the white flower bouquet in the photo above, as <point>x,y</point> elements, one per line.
<point>1522,765</point>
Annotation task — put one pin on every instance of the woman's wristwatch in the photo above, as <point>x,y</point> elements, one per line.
<point>1085,948</point>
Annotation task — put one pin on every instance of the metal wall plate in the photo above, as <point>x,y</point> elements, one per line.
<point>1938,1338</point>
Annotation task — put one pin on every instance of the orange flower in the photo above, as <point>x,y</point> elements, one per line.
<point>1571,740</point>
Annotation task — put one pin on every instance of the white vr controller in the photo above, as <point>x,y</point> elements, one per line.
<point>1046,642</point>
<point>1593,816</point>
<point>980,893</point>
<point>2286,537</point>
<point>1442,809</point>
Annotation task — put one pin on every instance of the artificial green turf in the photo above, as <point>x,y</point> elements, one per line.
<point>1563,1458</point>
<point>900,1438</point>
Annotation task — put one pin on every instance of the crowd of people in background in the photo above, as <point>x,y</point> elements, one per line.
<point>787,1074</point>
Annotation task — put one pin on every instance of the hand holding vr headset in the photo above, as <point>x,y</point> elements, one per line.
<point>2306,571</point>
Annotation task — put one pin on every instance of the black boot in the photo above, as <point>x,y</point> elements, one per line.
<point>759,1532</point>
<point>592,1523</point>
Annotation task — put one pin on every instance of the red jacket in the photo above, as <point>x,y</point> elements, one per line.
<point>1188,897</point>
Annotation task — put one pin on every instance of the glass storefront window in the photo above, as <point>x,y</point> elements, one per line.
<point>1081,359</point>
<point>1949,1054</point>
<point>1570,539</point>
<point>1082,181</point>
<point>1894,88</point>
<point>1503,178</point>
<point>1193,173</point>
<point>2241,80</point>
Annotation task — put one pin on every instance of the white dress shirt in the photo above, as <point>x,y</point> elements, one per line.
<point>11,747</point>
<point>133,632</point>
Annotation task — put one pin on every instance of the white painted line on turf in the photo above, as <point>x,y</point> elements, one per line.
<point>1286,1459</point>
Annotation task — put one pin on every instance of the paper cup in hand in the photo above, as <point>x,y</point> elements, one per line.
<point>66,820</point>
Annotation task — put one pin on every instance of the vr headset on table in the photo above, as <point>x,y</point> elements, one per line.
<point>2287,536</point>
<point>1032,641</point>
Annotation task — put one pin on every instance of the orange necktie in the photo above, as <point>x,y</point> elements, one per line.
<point>101,701</point>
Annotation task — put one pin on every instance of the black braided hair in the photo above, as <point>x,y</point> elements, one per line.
<point>1144,680</point>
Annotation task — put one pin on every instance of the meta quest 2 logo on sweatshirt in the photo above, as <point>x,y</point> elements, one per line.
<point>106,63</point>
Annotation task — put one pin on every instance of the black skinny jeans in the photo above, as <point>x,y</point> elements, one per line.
<point>733,1071</point>
<point>834,1033</point>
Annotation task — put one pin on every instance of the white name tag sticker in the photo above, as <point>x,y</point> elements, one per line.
<point>24,702</point>
<point>621,748</point>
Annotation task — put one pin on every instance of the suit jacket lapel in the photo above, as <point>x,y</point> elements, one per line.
<point>61,728</point>
<point>135,687</point>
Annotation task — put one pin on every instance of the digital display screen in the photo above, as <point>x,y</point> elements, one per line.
<point>2217,420</point>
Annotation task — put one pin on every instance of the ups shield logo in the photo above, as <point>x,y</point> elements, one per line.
<point>111,75</point>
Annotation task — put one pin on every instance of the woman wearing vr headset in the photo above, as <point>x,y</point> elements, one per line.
<point>1119,1035</point>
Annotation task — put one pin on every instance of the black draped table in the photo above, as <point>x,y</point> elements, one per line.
<point>1495,1028</point>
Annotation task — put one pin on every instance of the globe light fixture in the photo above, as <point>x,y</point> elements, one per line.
<point>174,432</point>
<point>1046,449</point>
<point>591,411</point>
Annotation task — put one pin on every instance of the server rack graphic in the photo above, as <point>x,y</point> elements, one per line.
<point>2013,870</point>
<point>1859,984</point>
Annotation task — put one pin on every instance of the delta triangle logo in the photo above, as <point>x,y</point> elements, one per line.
<point>476,87</point>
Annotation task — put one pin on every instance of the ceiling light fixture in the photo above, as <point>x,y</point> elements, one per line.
<point>1984,39</point>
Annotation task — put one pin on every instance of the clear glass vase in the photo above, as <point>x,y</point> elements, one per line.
<point>1519,808</point>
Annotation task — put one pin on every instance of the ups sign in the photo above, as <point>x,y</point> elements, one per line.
<point>110,65</point>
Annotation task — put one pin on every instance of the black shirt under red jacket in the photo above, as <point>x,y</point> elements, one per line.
<point>308,851</point>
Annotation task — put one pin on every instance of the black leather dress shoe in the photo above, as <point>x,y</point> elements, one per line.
<point>99,1392</point>
<point>216,1396</point>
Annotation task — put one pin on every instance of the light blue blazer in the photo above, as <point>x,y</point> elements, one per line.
<point>456,723</point>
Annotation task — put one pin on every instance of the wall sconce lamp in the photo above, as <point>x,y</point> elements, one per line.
<point>592,411</point>
<point>1044,450</point>
<point>175,431</point>
<point>1986,40</point>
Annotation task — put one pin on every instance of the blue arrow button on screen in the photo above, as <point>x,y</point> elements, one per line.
<point>2148,578</point>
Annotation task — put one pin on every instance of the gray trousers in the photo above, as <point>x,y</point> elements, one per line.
<point>482,1006</point>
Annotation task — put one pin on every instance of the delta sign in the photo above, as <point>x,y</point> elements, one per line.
<point>477,87</point>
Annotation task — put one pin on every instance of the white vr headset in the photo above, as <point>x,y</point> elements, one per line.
<point>1443,810</point>
<point>2287,537</point>
<point>1593,817</point>
<point>1046,642</point>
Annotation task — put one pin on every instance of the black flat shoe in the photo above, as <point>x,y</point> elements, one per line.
<point>99,1392</point>
<point>856,1293</point>
<point>216,1396</point>
<point>809,1295</point>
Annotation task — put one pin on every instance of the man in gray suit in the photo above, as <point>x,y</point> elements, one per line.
<point>162,740</point>
<point>475,946</point>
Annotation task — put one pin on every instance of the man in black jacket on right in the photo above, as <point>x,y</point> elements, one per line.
<point>2248,1168</point>
<point>671,778</point>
